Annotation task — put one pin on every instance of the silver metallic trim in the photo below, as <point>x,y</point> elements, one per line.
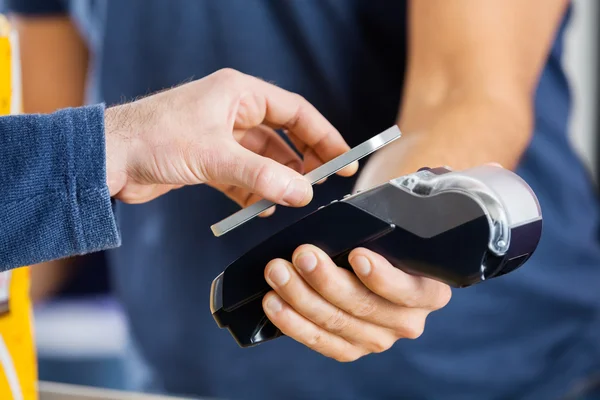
<point>318,174</point>
<point>513,192</point>
<point>506,198</point>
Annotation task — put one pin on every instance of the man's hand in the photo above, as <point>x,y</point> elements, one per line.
<point>346,316</point>
<point>219,130</point>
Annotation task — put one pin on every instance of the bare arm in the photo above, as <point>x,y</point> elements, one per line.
<point>54,65</point>
<point>473,67</point>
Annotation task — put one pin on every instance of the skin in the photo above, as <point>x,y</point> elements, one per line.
<point>469,90</point>
<point>467,101</point>
<point>218,130</point>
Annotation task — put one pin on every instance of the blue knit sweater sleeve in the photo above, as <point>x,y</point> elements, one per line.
<point>54,201</point>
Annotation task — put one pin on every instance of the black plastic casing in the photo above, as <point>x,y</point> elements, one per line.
<point>445,236</point>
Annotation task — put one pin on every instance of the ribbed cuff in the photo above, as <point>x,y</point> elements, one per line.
<point>94,211</point>
<point>54,198</point>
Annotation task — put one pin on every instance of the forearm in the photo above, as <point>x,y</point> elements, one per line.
<point>456,134</point>
<point>480,60</point>
<point>473,67</point>
<point>469,131</point>
<point>54,199</point>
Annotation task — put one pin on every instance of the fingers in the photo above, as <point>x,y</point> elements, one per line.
<point>343,315</point>
<point>343,289</point>
<point>312,159</point>
<point>391,283</point>
<point>304,331</point>
<point>242,197</point>
<point>266,142</point>
<point>303,299</point>
<point>236,166</point>
<point>279,108</point>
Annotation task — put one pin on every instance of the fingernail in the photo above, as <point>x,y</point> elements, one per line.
<point>306,262</point>
<point>296,192</point>
<point>361,265</point>
<point>274,305</point>
<point>279,274</point>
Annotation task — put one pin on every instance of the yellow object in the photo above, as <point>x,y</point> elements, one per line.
<point>18,365</point>
<point>5,68</point>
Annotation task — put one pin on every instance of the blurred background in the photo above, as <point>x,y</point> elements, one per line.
<point>581,63</point>
<point>80,329</point>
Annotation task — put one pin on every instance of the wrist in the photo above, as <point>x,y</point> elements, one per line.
<point>461,134</point>
<point>115,134</point>
<point>472,129</point>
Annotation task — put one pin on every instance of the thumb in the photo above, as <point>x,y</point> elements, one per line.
<point>262,176</point>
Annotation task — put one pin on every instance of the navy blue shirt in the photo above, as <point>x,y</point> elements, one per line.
<point>533,334</point>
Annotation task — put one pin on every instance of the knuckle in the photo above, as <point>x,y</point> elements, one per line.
<point>337,322</point>
<point>227,74</point>
<point>382,344</point>
<point>300,99</point>
<point>323,282</point>
<point>412,299</point>
<point>346,358</point>
<point>412,330</point>
<point>317,340</point>
<point>301,104</point>
<point>250,112</point>
<point>444,296</point>
<point>349,356</point>
<point>206,163</point>
<point>261,179</point>
<point>366,305</point>
<point>432,295</point>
